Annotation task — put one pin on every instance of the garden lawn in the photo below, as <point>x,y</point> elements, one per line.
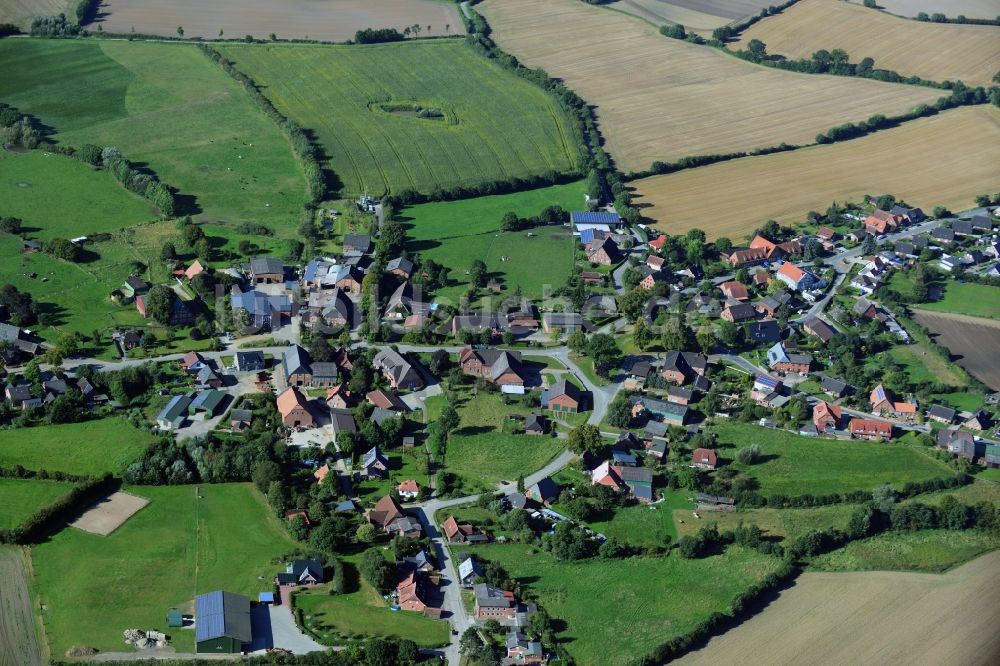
<point>94,587</point>
<point>642,524</point>
<point>961,401</point>
<point>456,233</point>
<point>928,550</point>
<point>168,107</point>
<point>362,611</point>
<point>617,611</point>
<point>20,498</point>
<point>488,458</point>
<point>88,448</point>
<point>794,465</point>
<point>361,103</point>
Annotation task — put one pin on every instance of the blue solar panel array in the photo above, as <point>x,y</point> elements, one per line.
<point>595,218</point>
<point>210,618</point>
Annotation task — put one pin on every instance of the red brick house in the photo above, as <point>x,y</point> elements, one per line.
<point>564,396</point>
<point>826,416</point>
<point>704,459</point>
<point>870,429</point>
<point>503,368</point>
<point>462,533</point>
<point>293,409</point>
<point>735,289</point>
<point>604,253</point>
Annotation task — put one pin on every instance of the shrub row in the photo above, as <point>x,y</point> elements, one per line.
<point>19,472</point>
<point>37,524</point>
<point>726,32</point>
<point>303,146</point>
<point>779,501</point>
<point>690,162</point>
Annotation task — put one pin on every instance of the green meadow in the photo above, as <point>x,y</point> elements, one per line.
<point>165,106</point>
<point>362,101</point>
<point>19,498</point>
<point>93,587</point>
<point>88,448</point>
<point>456,233</point>
<point>931,551</point>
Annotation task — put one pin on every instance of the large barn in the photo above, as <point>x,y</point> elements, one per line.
<point>222,622</point>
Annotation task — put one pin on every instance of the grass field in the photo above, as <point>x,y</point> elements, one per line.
<point>951,8</point>
<point>641,524</point>
<point>633,604</point>
<point>94,587</point>
<point>495,125</point>
<point>935,51</point>
<point>19,498</point>
<point>166,106</point>
<point>679,99</point>
<point>295,19</point>
<point>456,233</point>
<point>922,365</point>
<point>20,12</point>
<point>930,551</point>
<point>19,640</point>
<point>882,617</point>
<point>967,298</point>
<point>91,447</point>
<point>973,341</point>
<point>786,186</point>
<point>782,523</point>
<point>363,612</point>
<point>795,465</point>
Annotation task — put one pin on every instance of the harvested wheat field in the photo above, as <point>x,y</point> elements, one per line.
<point>327,20</point>
<point>974,342</point>
<point>664,99</point>
<point>935,51</point>
<point>698,15</point>
<point>983,9</point>
<point>945,159</point>
<point>872,617</point>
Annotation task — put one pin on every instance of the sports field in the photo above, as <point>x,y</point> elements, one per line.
<point>20,12</point>
<point>169,107</point>
<point>872,617</point>
<point>361,102</point>
<point>88,448</point>
<point>328,20</point>
<point>19,498</point>
<point>794,465</point>
<point>456,233</point>
<point>946,160</point>
<point>663,99</point>
<point>93,587</point>
<point>935,51</point>
<point>986,9</point>
<point>19,641</point>
<point>634,604</point>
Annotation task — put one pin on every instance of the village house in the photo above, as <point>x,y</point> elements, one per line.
<point>173,415</point>
<point>959,443</point>
<point>704,459</point>
<point>742,257</point>
<point>324,375</point>
<point>386,400</point>
<point>535,424</point>
<point>260,310</point>
<point>941,414</point>
<point>639,481</point>
<point>294,409</point>
<point>400,267</point>
<point>135,285</point>
<point>301,573</point>
<point>457,532</point>
<point>388,516</point>
<point>332,308</point>
<point>796,278</point>
<point>342,421</point>
<point>564,322</point>
<point>297,366</point>
<point>661,410</point>
<point>739,313</point>
<point>761,279</point>
<point>251,361</point>
<point>882,404</point>
<point>762,332</point>
<point>651,278</point>
<point>600,306</point>
<point>339,397</point>
<point>780,360</point>
<point>865,309</point>
<point>826,234</point>
<point>240,420</point>
<point>980,420</point>
<point>492,603</point>
<point>818,328</point>
<point>404,303</point>
<point>399,372</point>
<point>180,312</point>
<point>870,429</point>
<point>655,263</point>
<point>355,244</point>
<point>562,396</point>
<point>477,322</point>
<point>414,592</point>
<point>469,571</point>
<point>770,304</point>
<point>266,270</point>
<point>826,416</point>
<point>502,368</point>
<point>907,215</point>
<point>604,253</point>
<point>592,279</point>
<point>680,395</point>
<point>735,290</point>
<point>834,387</point>
<point>374,464</point>
<point>545,492</point>
<point>409,489</point>
<point>606,474</point>
<point>682,367</point>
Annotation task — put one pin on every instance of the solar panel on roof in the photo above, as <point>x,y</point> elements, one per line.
<point>210,620</point>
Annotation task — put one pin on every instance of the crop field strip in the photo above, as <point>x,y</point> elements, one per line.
<point>935,51</point>
<point>973,340</point>
<point>496,126</point>
<point>945,159</point>
<point>20,12</point>
<point>329,20</point>
<point>663,99</point>
<point>871,617</point>
<point>165,105</point>
<point>983,9</point>
<point>19,645</point>
<point>698,15</point>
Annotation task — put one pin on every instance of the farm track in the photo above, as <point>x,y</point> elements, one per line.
<point>657,98</point>
<point>935,51</point>
<point>19,645</point>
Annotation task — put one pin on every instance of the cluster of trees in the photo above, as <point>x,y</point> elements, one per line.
<point>21,307</point>
<point>304,148</point>
<point>37,524</point>
<point>61,248</point>
<point>378,571</point>
<point>142,183</point>
<point>86,10</point>
<point>937,17</point>
<point>378,36</point>
<point>54,27</point>
<point>549,216</point>
<point>600,347</point>
<point>17,129</point>
<point>727,32</point>
<point>709,540</point>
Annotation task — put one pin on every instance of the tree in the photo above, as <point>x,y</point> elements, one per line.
<point>180,31</point>
<point>757,50</point>
<point>884,497</point>
<point>641,335</point>
<point>620,411</point>
<point>379,573</point>
<point>10,225</point>
<point>510,221</point>
<point>520,483</point>
<point>168,252</point>
<point>613,549</point>
<point>729,335</point>
<point>748,455</point>
<point>265,472</point>
<point>585,438</point>
<point>60,248</point>
<point>449,418</point>
<point>705,339</point>
<point>678,336</point>
<point>477,274</point>
<point>160,303</point>
<point>470,644</point>
<point>604,350</point>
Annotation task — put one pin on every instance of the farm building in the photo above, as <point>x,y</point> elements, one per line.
<point>222,623</point>
<point>173,415</point>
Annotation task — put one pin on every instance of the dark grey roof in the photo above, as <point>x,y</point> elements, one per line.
<point>942,412</point>
<point>401,264</point>
<point>325,370</point>
<point>833,386</point>
<point>357,243</point>
<point>342,420</point>
<point>563,318</point>
<point>222,614</point>
<point>262,265</point>
<point>763,331</point>
<point>372,456</point>
<point>636,474</point>
<point>296,360</point>
<point>545,489</point>
<point>564,387</point>
<point>742,312</point>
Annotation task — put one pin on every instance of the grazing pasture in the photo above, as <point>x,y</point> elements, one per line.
<point>946,159</point>
<point>165,106</point>
<point>20,12</point>
<point>19,644</point>
<point>935,51</point>
<point>973,340</point>
<point>663,99</point>
<point>794,465</point>
<point>88,448</point>
<point>326,20</point>
<point>362,101</point>
<point>93,587</point>
<point>456,233</point>
<point>20,498</point>
<point>633,604</point>
<point>985,9</point>
<point>871,617</point>
<point>930,551</point>
<point>967,298</point>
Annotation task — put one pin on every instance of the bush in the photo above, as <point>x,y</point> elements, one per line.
<point>381,35</point>
<point>748,455</point>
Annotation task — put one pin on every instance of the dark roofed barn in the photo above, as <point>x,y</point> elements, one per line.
<point>222,622</point>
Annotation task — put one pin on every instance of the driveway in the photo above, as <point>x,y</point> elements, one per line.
<point>286,634</point>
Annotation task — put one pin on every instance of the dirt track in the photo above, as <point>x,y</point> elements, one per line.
<point>876,617</point>
<point>974,340</point>
<point>18,639</point>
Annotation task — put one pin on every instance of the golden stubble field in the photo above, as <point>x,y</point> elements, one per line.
<point>871,617</point>
<point>945,159</point>
<point>663,99</point>
<point>985,9</point>
<point>698,15</point>
<point>935,51</point>
<point>329,20</point>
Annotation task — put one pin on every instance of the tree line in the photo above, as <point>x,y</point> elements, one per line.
<point>37,524</point>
